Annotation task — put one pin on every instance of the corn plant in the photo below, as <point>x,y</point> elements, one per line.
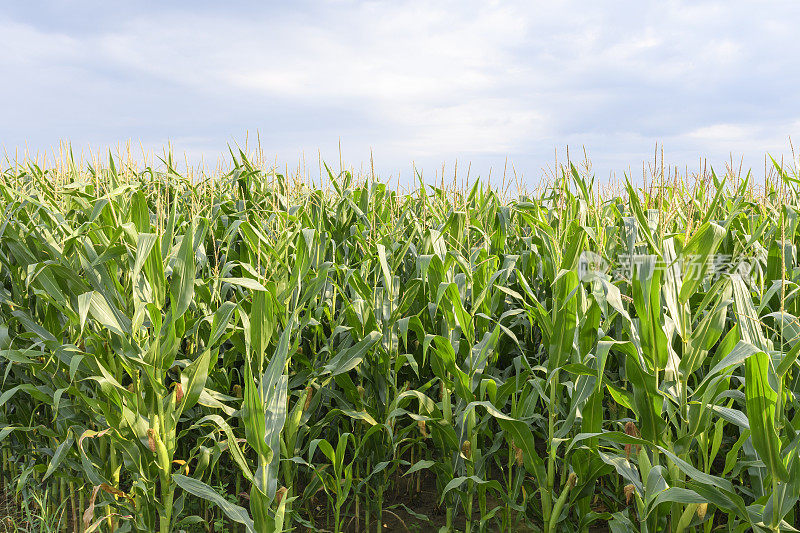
<point>247,350</point>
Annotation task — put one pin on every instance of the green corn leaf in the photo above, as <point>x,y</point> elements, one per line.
<point>221,320</point>
<point>181,289</point>
<point>459,481</point>
<point>202,490</point>
<point>647,401</point>
<point>351,357</point>
<point>193,381</point>
<point>703,244</point>
<point>565,319</point>
<point>675,495</point>
<point>59,455</point>
<point>247,283</point>
<point>760,400</point>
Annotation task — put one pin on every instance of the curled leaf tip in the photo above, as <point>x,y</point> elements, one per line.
<point>629,489</point>
<point>151,440</point>
<point>466,449</point>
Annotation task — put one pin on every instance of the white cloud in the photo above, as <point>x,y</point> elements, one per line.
<point>419,81</point>
<point>25,46</point>
<point>721,133</point>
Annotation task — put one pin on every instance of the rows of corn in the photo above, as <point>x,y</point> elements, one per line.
<point>250,351</point>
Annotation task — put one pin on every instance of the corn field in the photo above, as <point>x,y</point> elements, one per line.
<point>246,352</point>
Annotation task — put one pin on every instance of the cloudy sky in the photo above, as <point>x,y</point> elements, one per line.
<point>425,82</point>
